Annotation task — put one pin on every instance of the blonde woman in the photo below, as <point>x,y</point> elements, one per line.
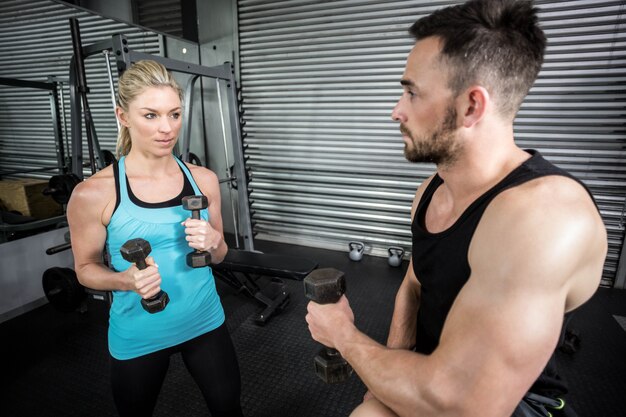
<point>140,197</point>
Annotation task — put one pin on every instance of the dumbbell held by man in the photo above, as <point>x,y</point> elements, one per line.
<point>136,251</point>
<point>325,286</point>
<point>195,203</point>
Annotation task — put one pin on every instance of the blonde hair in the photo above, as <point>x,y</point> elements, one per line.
<point>134,81</point>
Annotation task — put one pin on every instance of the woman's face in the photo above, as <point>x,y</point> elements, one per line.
<point>153,119</point>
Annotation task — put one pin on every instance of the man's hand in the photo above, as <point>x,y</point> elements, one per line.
<point>328,322</point>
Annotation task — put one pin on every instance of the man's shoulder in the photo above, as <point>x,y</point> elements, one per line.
<point>543,234</point>
<point>544,214</point>
<point>544,195</point>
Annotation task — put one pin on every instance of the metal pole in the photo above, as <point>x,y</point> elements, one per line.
<point>76,124</point>
<point>64,119</point>
<point>111,86</point>
<point>189,90</point>
<point>82,88</point>
<point>58,141</point>
<point>228,174</point>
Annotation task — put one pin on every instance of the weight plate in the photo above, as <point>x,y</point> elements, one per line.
<point>62,289</point>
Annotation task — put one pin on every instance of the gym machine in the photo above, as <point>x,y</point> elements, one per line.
<point>12,224</point>
<point>242,265</point>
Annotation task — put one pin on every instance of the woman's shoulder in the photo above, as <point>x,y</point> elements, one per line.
<point>202,175</point>
<point>98,187</point>
<point>93,198</point>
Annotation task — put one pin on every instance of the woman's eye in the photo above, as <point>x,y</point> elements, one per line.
<point>175,115</point>
<point>150,116</point>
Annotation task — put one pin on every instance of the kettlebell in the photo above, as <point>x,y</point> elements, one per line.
<point>356,251</point>
<point>395,256</point>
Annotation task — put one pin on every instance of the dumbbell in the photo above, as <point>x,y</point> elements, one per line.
<point>136,251</point>
<point>195,203</point>
<point>325,286</point>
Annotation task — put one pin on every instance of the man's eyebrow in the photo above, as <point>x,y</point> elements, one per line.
<point>407,83</point>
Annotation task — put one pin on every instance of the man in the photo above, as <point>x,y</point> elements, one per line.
<point>504,243</point>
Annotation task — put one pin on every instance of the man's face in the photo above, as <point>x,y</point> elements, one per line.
<point>426,111</point>
<point>438,146</point>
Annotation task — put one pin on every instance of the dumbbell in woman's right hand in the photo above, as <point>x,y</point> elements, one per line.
<point>136,251</point>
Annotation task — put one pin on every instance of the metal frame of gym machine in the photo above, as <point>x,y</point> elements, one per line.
<point>52,86</point>
<point>125,57</point>
<point>239,265</point>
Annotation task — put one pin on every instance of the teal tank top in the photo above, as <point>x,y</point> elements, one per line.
<point>194,306</point>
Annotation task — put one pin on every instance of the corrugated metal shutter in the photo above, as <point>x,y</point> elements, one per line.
<point>319,81</point>
<point>35,44</point>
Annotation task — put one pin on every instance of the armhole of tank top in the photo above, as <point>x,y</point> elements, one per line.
<point>187,184</point>
<point>189,179</point>
<point>116,176</point>
<point>192,181</point>
<point>420,211</point>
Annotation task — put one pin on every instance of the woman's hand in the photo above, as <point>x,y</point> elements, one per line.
<point>145,282</point>
<point>201,235</point>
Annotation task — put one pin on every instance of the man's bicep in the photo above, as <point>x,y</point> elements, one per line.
<point>496,341</point>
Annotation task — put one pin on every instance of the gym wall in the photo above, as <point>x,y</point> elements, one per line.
<point>320,79</point>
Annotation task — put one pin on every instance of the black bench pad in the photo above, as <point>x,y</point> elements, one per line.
<point>271,265</point>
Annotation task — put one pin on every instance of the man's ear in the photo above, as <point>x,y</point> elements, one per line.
<point>121,116</point>
<point>475,105</point>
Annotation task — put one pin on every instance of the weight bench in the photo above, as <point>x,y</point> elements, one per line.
<point>239,266</point>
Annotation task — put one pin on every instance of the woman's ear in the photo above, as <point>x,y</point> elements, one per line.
<point>121,116</point>
<point>476,101</point>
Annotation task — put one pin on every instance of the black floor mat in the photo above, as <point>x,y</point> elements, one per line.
<point>56,364</point>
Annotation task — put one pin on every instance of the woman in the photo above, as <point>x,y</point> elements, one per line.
<point>140,197</point>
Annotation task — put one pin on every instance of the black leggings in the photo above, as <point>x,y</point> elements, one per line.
<point>209,358</point>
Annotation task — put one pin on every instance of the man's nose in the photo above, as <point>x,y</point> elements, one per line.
<point>397,114</point>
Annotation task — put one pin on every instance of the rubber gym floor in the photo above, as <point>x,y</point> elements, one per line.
<point>56,364</point>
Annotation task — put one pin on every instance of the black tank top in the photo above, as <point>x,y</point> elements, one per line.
<point>440,260</point>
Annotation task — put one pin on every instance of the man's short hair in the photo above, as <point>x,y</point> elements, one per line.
<point>494,43</point>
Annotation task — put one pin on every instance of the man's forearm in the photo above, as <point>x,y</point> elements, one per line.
<point>400,379</point>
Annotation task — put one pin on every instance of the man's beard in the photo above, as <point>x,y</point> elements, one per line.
<point>439,147</point>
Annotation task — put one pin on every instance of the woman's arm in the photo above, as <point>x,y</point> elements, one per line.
<point>88,211</point>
